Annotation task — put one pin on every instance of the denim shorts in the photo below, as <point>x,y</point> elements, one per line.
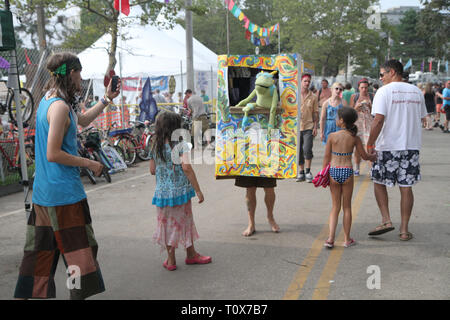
<point>393,167</point>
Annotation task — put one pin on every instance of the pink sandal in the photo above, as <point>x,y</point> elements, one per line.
<point>198,259</point>
<point>329,244</point>
<point>350,243</point>
<point>170,268</point>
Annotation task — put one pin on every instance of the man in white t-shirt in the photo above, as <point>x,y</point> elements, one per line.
<point>396,137</point>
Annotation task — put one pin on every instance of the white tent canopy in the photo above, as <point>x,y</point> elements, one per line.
<point>146,51</point>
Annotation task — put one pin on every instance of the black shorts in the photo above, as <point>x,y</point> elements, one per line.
<point>447,112</point>
<point>259,182</point>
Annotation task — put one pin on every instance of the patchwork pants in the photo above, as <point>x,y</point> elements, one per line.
<point>51,231</point>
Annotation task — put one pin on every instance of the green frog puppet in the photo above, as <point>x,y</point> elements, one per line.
<point>266,97</point>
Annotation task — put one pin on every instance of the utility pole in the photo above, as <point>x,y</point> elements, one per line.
<point>41,27</point>
<point>389,46</point>
<point>189,46</point>
<point>228,33</point>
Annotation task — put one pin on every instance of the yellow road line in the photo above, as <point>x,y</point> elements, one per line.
<point>294,290</point>
<point>296,286</point>
<point>323,285</point>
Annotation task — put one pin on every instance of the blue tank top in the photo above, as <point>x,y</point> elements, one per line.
<point>55,184</point>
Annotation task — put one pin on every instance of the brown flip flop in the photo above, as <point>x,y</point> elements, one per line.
<point>382,228</point>
<point>409,236</point>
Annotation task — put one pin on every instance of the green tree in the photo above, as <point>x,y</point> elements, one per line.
<point>210,26</point>
<point>434,26</point>
<point>408,43</point>
<point>33,14</point>
<point>97,17</point>
<point>103,12</point>
<point>324,32</point>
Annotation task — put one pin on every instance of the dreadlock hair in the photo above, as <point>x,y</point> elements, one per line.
<point>60,81</point>
<point>166,124</point>
<point>349,116</point>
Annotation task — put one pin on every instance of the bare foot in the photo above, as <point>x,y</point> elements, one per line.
<point>274,226</point>
<point>249,231</point>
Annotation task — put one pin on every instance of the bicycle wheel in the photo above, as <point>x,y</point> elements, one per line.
<point>120,152</point>
<point>128,147</point>
<point>26,105</point>
<point>144,153</point>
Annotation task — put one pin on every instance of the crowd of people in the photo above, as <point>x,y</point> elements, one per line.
<point>351,124</point>
<point>387,120</point>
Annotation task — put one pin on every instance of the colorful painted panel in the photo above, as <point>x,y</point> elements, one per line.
<point>256,149</point>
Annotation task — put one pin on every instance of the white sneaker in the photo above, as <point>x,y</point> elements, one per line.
<point>309,177</point>
<point>301,177</point>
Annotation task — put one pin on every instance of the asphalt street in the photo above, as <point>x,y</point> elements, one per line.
<point>291,264</point>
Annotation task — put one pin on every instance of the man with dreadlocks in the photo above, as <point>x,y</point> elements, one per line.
<point>60,220</point>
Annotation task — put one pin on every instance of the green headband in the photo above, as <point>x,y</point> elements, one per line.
<point>71,64</point>
<point>62,70</point>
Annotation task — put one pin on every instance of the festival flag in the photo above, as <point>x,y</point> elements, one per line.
<point>247,34</point>
<point>446,66</point>
<point>26,57</point>
<point>422,65</point>
<point>374,62</point>
<point>249,26</point>
<point>125,6</point>
<point>431,65</point>
<point>247,22</point>
<point>408,64</point>
<point>235,11</point>
<point>4,64</point>
<point>260,31</point>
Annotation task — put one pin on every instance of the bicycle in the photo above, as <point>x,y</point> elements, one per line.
<point>89,146</point>
<point>127,145</point>
<point>8,103</point>
<point>143,133</point>
<point>10,151</point>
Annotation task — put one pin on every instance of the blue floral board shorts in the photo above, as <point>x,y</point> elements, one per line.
<point>393,167</point>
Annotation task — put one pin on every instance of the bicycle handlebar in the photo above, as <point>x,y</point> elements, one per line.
<point>87,130</point>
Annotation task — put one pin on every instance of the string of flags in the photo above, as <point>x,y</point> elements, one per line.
<point>261,38</point>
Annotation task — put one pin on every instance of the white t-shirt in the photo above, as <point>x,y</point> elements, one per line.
<point>403,107</point>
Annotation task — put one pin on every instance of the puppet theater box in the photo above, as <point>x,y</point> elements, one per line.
<point>257,117</point>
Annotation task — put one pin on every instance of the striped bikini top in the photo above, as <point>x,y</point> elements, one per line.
<point>342,154</point>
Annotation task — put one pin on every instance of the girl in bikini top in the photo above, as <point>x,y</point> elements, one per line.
<point>338,154</point>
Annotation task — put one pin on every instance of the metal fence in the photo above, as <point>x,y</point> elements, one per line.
<point>33,76</point>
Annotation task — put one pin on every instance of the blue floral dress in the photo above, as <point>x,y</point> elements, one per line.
<point>172,199</point>
<point>330,123</point>
<point>172,186</point>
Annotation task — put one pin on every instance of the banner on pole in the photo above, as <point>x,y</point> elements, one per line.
<point>7,39</point>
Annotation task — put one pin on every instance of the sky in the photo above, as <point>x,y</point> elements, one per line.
<point>386,4</point>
